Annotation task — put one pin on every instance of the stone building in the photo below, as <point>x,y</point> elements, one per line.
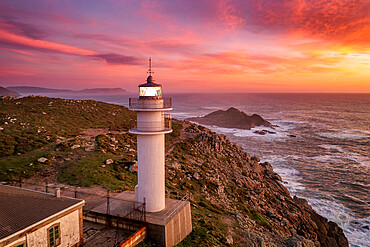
<point>36,219</point>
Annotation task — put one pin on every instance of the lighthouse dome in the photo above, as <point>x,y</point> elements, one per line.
<point>150,79</point>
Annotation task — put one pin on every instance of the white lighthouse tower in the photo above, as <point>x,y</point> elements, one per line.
<point>150,131</point>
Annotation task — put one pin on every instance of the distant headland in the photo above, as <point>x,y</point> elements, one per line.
<point>6,92</point>
<point>42,90</point>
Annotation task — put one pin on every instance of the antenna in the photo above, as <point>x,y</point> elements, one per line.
<point>150,70</point>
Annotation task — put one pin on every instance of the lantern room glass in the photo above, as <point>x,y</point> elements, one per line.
<point>151,91</point>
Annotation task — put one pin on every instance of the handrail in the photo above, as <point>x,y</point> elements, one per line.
<point>136,103</point>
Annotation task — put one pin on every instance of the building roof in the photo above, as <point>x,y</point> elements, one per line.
<point>21,208</point>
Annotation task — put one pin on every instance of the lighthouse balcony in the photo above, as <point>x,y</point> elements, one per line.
<point>150,104</point>
<point>153,127</point>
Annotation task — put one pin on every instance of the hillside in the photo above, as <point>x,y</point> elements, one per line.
<point>234,197</point>
<point>30,90</point>
<point>7,92</point>
<point>42,90</point>
<point>231,118</point>
<point>107,91</point>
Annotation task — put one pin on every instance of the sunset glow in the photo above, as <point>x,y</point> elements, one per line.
<point>196,46</point>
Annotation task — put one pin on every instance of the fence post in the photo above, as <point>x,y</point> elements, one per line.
<point>108,209</point>
<point>46,187</point>
<point>75,191</point>
<point>144,210</point>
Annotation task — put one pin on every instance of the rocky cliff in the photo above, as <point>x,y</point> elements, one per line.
<point>243,195</point>
<point>231,118</point>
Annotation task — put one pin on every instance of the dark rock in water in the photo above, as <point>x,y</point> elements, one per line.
<point>264,132</point>
<point>260,132</point>
<point>292,135</point>
<point>232,118</point>
<point>7,92</point>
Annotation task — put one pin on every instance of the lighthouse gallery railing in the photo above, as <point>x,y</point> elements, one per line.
<point>136,103</point>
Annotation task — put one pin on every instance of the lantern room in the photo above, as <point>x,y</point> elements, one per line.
<point>150,90</point>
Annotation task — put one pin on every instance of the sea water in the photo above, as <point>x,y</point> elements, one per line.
<point>321,147</point>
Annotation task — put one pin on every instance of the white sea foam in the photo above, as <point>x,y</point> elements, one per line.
<point>280,133</point>
<point>290,178</point>
<point>214,107</point>
<point>342,135</point>
<point>289,175</point>
<point>345,134</point>
<point>341,155</point>
<point>354,228</point>
<point>183,115</point>
<point>327,158</point>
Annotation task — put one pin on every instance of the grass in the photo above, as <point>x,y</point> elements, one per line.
<point>256,216</point>
<point>32,122</point>
<point>91,169</point>
<point>22,166</point>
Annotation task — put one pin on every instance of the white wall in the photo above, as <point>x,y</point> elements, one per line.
<point>69,232</point>
<point>151,172</point>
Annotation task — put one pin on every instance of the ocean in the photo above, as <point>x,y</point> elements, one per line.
<point>321,147</point>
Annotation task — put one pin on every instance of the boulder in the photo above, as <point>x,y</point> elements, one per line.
<point>229,239</point>
<point>133,167</point>
<point>299,241</point>
<point>75,146</point>
<point>42,160</point>
<point>109,161</point>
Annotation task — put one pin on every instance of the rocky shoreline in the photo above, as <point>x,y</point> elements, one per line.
<point>258,190</point>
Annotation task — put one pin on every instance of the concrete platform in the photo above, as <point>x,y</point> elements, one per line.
<point>167,227</point>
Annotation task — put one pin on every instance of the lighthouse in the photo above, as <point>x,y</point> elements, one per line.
<point>151,129</point>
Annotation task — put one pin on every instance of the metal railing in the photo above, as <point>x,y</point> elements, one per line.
<point>136,103</point>
<point>166,123</point>
<point>91,200</point>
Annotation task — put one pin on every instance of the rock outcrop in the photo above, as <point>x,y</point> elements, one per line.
<point>232,118</point>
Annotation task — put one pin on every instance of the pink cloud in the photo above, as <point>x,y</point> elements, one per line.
<point>10,38</point>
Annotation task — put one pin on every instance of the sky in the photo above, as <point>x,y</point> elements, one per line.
<point>255,46</point>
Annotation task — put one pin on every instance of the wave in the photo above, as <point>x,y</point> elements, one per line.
<point>289,175</point>
<point>280,132</point>
<point>356,229</point>
<point>345,134</point>
<point>341,155</point>
<point>183,115</point>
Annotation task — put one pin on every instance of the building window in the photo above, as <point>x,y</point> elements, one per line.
<point>54,235</point>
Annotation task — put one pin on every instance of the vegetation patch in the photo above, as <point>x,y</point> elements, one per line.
<point>92,169</point>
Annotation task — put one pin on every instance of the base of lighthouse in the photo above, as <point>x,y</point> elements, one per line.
<point>170,226</point>
<point>167,227</point>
